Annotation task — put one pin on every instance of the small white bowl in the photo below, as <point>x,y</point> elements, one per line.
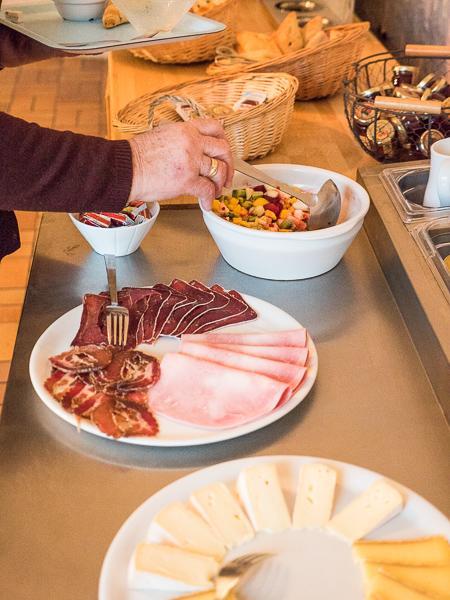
<point>297,255</point>
<point>119,241</point>
<point>150,16</point>
<point>80,10</point>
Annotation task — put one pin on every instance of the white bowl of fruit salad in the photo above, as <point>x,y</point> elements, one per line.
<point>263,232</point>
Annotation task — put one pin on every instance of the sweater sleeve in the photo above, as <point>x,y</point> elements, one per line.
<point>59,171</point>
<point>18,49</point>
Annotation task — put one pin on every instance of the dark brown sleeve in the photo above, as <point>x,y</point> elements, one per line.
<point>17,49</point>
<point>46,170</point>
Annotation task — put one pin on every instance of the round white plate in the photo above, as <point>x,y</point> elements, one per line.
<point>309,564</point>
<point>57,339</point>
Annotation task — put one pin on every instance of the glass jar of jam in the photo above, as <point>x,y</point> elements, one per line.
<point>427,139</point>
<point>403,74</point>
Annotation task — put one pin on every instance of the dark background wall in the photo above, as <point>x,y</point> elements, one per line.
<point>398,22</point>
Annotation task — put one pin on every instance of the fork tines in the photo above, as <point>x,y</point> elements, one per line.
<point>117,321</point>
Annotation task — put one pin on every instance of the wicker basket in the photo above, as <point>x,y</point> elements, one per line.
<point>200,49</point>
<point>252,133</point>
<point>320,71</point>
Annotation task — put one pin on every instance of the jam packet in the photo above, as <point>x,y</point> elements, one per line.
<point>249,99</point>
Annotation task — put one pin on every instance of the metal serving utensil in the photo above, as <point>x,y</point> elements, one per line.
<point>229,577</point>
<point>117,317</point>
<point>107,41</point>
<point>324,206</point>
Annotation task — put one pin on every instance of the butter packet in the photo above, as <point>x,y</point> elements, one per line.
<point>249,99</point>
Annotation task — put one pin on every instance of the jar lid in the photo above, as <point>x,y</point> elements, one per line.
<point>381,132</point>
<point>398,69</point>
<point>402,134</point>
<point>439,85</point>
<point>427,81</point>
<point>406,90</point>
<point>363,115</point>
<point>372,92</point>
<point>427,139</point>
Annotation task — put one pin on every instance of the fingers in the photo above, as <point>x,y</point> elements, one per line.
<point>205,190</point>
<point>209,127</point>
<point>219,178</point>
<point>218,148</point>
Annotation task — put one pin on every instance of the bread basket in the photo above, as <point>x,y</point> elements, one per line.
<point>199,49</point>
<point>320,71</point>
<point>252,133</point>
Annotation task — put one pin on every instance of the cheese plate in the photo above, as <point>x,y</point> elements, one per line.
<point>58,336</point>
<point>310,562</point>
<point>41,21</point>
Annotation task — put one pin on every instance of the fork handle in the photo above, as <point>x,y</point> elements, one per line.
<point>110,262</point>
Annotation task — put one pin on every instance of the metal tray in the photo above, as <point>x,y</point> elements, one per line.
<point>41,21</point>
<point>433,239</point>
<point>406,188</point>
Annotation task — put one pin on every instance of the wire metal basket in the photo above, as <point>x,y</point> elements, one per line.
<point>394,135</point>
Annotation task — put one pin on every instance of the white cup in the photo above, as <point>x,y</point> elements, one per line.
<point>437,193</point>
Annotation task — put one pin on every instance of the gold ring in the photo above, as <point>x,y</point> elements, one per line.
<point>214,168</point>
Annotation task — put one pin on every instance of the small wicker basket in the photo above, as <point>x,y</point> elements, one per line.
<point>199,49</point>
<point>252,133</point>
<point>321,70</point>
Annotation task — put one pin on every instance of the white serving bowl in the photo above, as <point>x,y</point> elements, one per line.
<point>80,10</point>
<point>297,255</point>
<point>150,16</point>
<point>118,241</point>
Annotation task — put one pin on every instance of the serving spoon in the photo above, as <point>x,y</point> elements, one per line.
<point>324,206</point>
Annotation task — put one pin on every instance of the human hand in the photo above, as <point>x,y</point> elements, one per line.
<point>175,159</point>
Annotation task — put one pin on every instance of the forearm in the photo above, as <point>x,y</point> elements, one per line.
<point>46,170</point>
<point>17,49</point>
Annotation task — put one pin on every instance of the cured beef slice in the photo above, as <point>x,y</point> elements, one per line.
<point>292,337</point>
<point>142,304</point>
<point>207,394</point>
<point>236,311</point>
<point>204,299</point>
<point>173,299</point>
<point>285,372</point>
<point>91,330</point>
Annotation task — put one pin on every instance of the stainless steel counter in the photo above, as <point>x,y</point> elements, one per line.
<point>63,494</point>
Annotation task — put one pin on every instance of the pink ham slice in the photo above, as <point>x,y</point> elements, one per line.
<point>207,394</point>
<point>285,372</point>
<point>292,337</point>
<point>294,355</point>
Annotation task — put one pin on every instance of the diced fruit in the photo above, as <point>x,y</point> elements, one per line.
<point>260,188</point>
<point>275,208</point>
<point>271,215</point>
<point>260,202</point>
<point>272,194</point>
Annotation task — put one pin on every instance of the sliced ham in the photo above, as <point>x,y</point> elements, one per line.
<point>294,355</point>
<point>285,372</point>
<point>207,394</point>
<point>292,337</point>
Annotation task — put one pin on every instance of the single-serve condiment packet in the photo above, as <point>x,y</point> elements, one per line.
<point>249,99</point>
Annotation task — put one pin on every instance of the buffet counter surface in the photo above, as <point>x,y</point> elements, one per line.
<point>64,494</point>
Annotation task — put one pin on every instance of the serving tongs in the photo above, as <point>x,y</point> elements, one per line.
<point>117,317</point>
<point>324,206</point>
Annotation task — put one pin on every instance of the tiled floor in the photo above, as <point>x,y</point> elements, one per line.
<point>59,93</point>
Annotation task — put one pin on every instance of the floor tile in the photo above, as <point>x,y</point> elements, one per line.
<point>10,313</point>
<point>11,296</point>
<point>4,370</point>
<point>14,272</point>
<point>8,332</point>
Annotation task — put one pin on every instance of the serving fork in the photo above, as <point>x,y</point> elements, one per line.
<point>117,317</point>
<point>229,577</point>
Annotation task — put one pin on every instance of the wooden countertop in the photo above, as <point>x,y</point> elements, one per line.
<point>319,135</point>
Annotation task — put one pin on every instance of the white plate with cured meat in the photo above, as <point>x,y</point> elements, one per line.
<point>210,389</point>
<point>319,518</point>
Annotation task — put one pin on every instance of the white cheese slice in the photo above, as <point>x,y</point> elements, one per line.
<point>222,511</point>
<point>260,492</point>
<point>315,496</point>
<point>163,567</point>
<point>179,524</point>
<point>379,503</point>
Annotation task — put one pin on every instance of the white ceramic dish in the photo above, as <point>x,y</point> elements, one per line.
<point>303,556</point>
<point>58,336</point>
<point>80,10</point>
<point>150,16</point>
<point>298,255</point>
<point>41,22</point>
<point>118,241</point>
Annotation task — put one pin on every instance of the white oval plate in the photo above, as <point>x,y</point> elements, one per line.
<point>318,564</point>
<point>57,339</point>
